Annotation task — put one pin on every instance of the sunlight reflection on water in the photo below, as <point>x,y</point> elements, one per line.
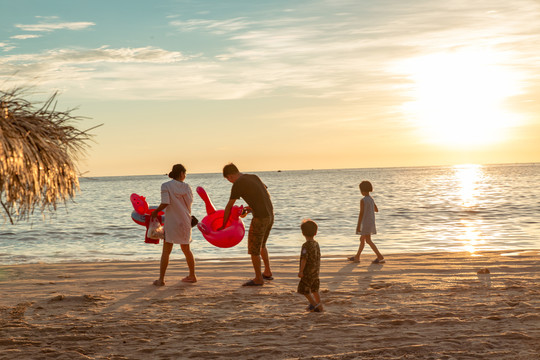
<point>469,176</point>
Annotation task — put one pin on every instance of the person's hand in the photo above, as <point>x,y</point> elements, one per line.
<point>246,210</point>
<point>153,215</point>
<point>300,274</point>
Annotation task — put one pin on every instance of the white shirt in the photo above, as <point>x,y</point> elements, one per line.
<point>179,197</point>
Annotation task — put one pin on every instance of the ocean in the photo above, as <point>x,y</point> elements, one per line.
<point>469,208</point>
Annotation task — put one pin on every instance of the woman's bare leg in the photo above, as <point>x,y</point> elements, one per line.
<point>166,252</point>
<point>190,263</point>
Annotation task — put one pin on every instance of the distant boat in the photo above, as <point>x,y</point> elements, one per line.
<point>279,171</point>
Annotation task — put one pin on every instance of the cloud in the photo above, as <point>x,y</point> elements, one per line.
<point>101,55</point>
<point>47,17</point>
<point>328,53</point>
<point>24,37</point>
<point>6,47</point>
<point>48,27</point>
<point>121,55</point>
<point>213,26</point>
<point>99,68</point>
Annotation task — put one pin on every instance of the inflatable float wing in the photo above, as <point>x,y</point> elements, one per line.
<point>234,230</point>
<point>141,215</point>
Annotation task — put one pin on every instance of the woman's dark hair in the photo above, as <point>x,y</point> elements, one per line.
<point>230,169</point>
<point>176,171</point>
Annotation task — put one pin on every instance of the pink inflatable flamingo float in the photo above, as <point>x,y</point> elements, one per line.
<point>141,214</point>
<point>233,232</point>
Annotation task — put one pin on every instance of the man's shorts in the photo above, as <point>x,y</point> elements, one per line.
<point>259,230</point>
<point>308,285</point>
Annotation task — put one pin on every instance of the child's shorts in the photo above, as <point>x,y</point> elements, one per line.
<point>307,286</point>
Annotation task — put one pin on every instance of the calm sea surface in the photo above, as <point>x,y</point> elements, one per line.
<point>465,208</point>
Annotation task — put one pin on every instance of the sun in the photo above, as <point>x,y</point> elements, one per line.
<point>458,97</point>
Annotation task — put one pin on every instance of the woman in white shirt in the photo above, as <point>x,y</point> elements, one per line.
<point>176,201</point>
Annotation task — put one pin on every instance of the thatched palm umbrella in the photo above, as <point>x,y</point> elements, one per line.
<point>38,152</point>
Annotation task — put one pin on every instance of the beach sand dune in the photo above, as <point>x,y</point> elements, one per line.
<point>416,306</point>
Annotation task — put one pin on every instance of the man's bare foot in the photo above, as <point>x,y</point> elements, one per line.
<point>267,277</point>
<point>190,279</point>
<point>159,283</point>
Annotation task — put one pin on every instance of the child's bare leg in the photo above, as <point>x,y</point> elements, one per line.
<point>360,248</point>
<point>310,299</point>
<point>374,248</point>
<point>317,298</point>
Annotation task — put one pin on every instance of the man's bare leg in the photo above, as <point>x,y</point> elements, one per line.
<point>256,261</point>
<point>264,254</point>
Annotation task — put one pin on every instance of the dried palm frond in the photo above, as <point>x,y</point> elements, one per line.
<point>38,152</point>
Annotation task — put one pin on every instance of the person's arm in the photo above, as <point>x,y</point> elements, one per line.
<point>165,199</point>
<point>376,209</point>
<point>302,266</point>
<point>159,208</point>
<point>227,213</point>
<point>360,216</point>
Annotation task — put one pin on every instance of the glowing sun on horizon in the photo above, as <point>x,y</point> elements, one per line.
<point>458,97</point>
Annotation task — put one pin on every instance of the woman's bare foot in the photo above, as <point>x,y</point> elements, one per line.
<point>190,279</point>
<point>159,283</point>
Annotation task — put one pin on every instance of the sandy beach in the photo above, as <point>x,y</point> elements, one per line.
<point>416,306</point>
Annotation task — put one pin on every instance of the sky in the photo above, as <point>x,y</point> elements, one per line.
<point>283,85</point>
